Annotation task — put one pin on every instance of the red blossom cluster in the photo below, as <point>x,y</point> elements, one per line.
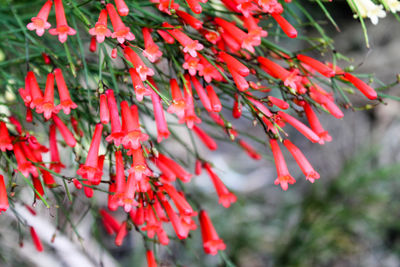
<point>221,58</point>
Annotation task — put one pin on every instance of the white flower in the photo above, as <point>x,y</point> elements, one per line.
<point>366,8</point>
<point>392,5</point>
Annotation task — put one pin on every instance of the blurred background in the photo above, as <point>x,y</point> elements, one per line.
<point>349,217</point>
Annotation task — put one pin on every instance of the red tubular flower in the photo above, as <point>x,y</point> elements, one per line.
<point>65,132</point>
<point>201,93</point>
<point>286,27</point>
<point>121,234</point>
<point>167,38</point>
<point>116,128</point>
<point>47,106</point>
<point>326,102</point>
<point>55,164</point>
<point>211,241</point>
<point>29,115</point>
<point>36,240</point>
<point>114,53</point>
<point>284,177</point>
<point>237,108</point>
<point>263,109</point>
<point>239,80</point>
<point>179,201</point>
<point>93,44</point>
<point>253,29</point>
<point>226,198</point>
<point>137,215</point>
<point>140,89</point>
<point>91,169</point>
<point>175,221</point>
<point>3,195</point>
<point>133,135</point>
<point>151,52</point>
<point>100,164</point>
<point>307,132</point>
<point>104,112</point>
<point>37,185</point>
<point>25,93</point>
<point>5,141</point>
<point>270,6</point>
<point>245,40</point>
<point>234,64</point>
<point>192,64</point>
<point>100,30</point>
<point>24,166</point>
<point>121,32</point>
<point>190,46</point>
<point>208,71</point>
<point>198,167</point>
<point>364,88</point>
<point>190,114</point>
<point>122,8</point>
<point>315,124</point>
<point>46,58</point>
<point>138,64</point>
<point>152,224</point>
<point>316,65</point>
<point>110,220</point>
<point>162,127</point>
<point>77,184</point>
<point>194,6</point>
<point>151,261</point>
<point>189,19</point>
<point>36,93</point>
<point>278,102</point>
<point>205,138</point>
<point>304,164</point>
<point>214,99</point>
<point>39,23</point>
<point>179,172</point>
<point>178,104</point>
<point>139,167</point>
<point>249,150</point>
<point>229,41</point>
<point>66,104</point>
<point>62,30</point>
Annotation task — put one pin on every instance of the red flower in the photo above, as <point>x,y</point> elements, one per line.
<point>3,195</point>
<point>194,6</point>
<point>122,8</point>
<point>116,128</point>
<point>36,93</point>
<point>167,38</point>
<point>90,169</point>
<point>315,124</point>
<point>139,167</point>
<point>316,65</point>
<point>152,52</point>
<point>66,104</point>
<point>302,161</point>
<point>140,89</point>
<point>36,240</point>
<point>104,112</point>
<point>162,127</point>
<point>178,103</point>
<point>138,64</point>
<point>192,64</point>
<point>249,150</point>
<point>270,6</point>
<point>234,64</point>
<point>189,19</point>
<point>364,88</point>
<point>211,241</point>
<point>205,138</point>
<point>201,93</point>
<point>190,115</point>
<point>55,164</point>
<point>284,177</point>
<point>62,30</point>
<point>65,132</point>
<point>100,29</point>
<point>189,46</point>
<point>47,106</point>
<point>39,23</point>
<point>121,32</point>
<point>24,166</point>
<point>173,167</point>
<point>180,202</point>
<point>307,132</point>
<point>226,198</point>
<point>133,135</point>
<point>286,27</point>
<point>151,261</point>
<point>175,221</point>
<point>122,232</point>
<point>5,140</point>
<point>278,102</point>
<point>214,99</point>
